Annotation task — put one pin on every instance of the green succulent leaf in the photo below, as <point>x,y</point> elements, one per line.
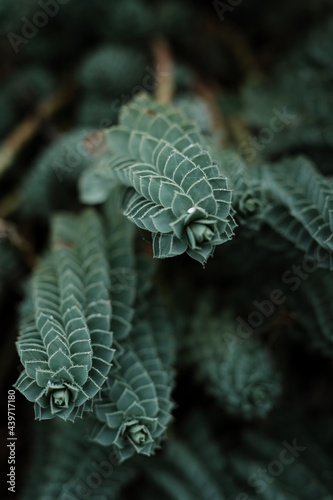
<point>300,207</point>
<point>173,187</point>
<point>133,410</point>
<point>65,341</point>
<point>123,269</point>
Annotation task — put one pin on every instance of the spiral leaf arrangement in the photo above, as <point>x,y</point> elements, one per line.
<point>65,341</point>
<point>289,202</point>
<point>299,207</point>
<point>105,330</point>
<point>172,187</point>
<point>134,407</point>
<point>123,265</point>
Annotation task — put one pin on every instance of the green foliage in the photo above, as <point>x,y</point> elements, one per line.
<point>290,198</point>
<point>98,112</point>
<point>195,466</point>
<point>301,85</point>
<point>299,207</point>
<point>108,77</point>
<point>296,478</point>
<point>238,372</point>
<point>172,186</point>
<point>65,339</point>
<point>191,467</point>
<point>184,123</point>
<point>11,266</point>
<point>51,182</point>
<point>11,14</point>
<point>64,463</point>
<point>134,406</point>
<point>248,189</point>
<point>20,92</point>
<point>313,307</point>
<point>124,285</point>
<point>196,110</point>
<point>112,69</point>
<point>130,21</point>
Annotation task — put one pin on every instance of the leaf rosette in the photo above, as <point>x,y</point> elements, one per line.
<point>172,187</point>
<point>65,341</point>
<point>134,407</point>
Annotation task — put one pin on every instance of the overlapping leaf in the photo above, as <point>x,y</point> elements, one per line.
<point>288,201</point>
<point>65,338</point>
<point>173,188</point>
<point>134,407</point>
<point>123,269</point>
<point>300,207</point>
<point>246,183</point>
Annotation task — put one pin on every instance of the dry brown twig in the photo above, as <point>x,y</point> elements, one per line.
<point>25,132</point>
<point>29,127</point>
<point>95,143</point>
<point>209,94</point>
<point>164,69</point>
<point>9,232</point>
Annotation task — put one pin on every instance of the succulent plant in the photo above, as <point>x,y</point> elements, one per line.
<point>172,187</point>
<point>133,409</point>
<point>65,341</point>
